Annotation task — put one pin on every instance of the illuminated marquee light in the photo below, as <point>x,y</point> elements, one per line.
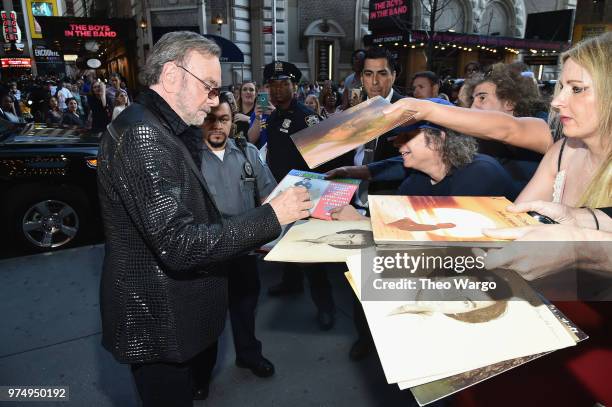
<point>388,8</point>
<point>90,31</point>
<point>16,62</point>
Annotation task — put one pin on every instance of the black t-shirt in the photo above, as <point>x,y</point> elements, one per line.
<point>482,177</point>
<point>607,211</point>
<point>243,127</point>
<point>100,115</point>
<point>70,119</point>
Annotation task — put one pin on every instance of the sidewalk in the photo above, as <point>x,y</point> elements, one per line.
<point>51,336</point>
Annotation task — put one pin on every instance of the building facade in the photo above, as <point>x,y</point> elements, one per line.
<point>484,31</point>
<point>317,35</point>
<point>592,18</point>
<point>320,35</point>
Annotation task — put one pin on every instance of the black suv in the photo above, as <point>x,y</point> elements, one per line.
<point>48,185</point>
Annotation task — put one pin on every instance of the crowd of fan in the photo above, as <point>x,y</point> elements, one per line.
<point>87,102</point>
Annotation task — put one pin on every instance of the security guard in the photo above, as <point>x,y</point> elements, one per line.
<point>290,117</point>
<point>238,181</point>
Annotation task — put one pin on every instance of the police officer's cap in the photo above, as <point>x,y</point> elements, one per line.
<point>279,70</point>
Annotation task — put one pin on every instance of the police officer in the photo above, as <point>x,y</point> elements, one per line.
<point>238,181</point>
<point>290,117</point>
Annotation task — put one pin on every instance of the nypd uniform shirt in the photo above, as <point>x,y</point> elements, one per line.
<point>232,182</point>
<point>283,156</point>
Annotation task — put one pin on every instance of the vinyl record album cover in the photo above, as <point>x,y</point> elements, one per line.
<point>344,131</point>
<point>426,219</point>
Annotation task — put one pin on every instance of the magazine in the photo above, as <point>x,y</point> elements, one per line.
<point>344,131</point>
<point>434,219</point>
<point>325,194</point>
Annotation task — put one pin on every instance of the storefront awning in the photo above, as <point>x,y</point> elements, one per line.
<point>229,51</point>
<point>470,40</point>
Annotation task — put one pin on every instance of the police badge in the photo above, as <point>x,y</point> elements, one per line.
<point>248,169</point>
<point>286,123</point>
<point>312,120</point>
<point>278,66</point>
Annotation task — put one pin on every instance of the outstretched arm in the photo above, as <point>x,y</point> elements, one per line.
<point>525,132</point>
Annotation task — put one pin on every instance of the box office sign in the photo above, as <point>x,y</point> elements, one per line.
<point>389,15</point>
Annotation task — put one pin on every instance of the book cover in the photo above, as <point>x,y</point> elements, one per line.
<point>435,219</point>
<point>325,194</point>
<point>344,131</point>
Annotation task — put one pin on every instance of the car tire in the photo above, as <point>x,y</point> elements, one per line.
<point>45,218</point>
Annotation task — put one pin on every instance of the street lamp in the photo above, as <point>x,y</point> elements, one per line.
<point>219,21</point>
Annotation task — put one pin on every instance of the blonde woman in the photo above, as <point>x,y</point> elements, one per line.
<point>577,170</point>
<point>313,103</point>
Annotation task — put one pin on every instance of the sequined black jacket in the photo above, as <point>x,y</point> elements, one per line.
<point>164,290</point>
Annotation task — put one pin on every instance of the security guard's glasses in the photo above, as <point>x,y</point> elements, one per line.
<point>212,91</point>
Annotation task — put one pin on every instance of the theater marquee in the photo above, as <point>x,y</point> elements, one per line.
<point>90,31</point>
<point>390,15</point>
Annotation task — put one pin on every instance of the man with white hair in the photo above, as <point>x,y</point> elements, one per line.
<point>164,286</point>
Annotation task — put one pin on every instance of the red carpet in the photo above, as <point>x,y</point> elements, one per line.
<point>577,376</point>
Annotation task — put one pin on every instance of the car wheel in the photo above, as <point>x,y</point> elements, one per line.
<point>46,219</point>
